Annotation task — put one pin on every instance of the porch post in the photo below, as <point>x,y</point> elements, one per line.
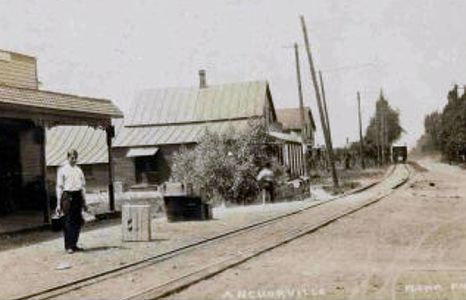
<point>43,162</point>
<point>110,130</point>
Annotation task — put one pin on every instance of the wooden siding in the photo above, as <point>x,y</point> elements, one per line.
<point>30,149</point>
<point>18,70</point>
<point>124,169</point>
<point>293,159</point>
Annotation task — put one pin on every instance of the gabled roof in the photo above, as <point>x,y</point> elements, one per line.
<point>182,115</point>
<point>38,100</point>
<point>194,105</point>
<point>291,119</point>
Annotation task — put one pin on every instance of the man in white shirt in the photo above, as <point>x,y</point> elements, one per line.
<point>71,193</point>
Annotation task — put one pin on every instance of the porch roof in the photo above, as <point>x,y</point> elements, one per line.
<point>56,108</point>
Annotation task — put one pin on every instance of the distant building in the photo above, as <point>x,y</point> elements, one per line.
<point>290,118</point>
<point>25,113</point>
<point>161,121</point>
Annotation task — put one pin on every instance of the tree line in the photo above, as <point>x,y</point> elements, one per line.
<point>445,131</point>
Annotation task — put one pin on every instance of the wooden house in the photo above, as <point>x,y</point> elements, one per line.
<point>290,118</point>
<point>161,121</point>
<point>296,132</point>
<point>25,114</point>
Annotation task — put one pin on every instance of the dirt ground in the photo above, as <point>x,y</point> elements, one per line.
<point>411,245</point>
<point>170,273</point>
<point>41,262</point>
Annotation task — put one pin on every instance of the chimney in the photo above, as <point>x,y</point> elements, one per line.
<point>202,79</point>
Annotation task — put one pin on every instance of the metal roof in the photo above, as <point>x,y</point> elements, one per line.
<point>291,119</point>
<point>173,134</point>
<point>51,101</point>
<point>192,105</point>
<point>91,144</point>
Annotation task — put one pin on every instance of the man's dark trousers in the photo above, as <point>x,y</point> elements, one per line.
<point>72,206</point>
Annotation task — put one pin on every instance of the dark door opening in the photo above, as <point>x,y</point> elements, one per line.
<point>10,166</point>
<point>152,169</point>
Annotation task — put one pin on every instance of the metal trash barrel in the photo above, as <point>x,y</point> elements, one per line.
<point>136,222</point>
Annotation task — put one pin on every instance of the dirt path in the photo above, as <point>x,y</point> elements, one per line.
<point>411,245</point>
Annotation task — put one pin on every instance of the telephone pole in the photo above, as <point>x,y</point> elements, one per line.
<point>377,134</point>
<point>326,120</point>
<point>382,133</point>
<point>301,109</point>
<point>385,135</point>
<point>324,99</point>
<point>319,104</point>
<point>361,141</point>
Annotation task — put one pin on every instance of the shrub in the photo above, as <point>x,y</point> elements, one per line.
<point>227,164</point>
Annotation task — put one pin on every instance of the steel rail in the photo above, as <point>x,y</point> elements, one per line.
<point>58,290</point>
<point>178,284</point>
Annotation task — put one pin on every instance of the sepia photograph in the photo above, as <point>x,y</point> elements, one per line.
<point>232,149</point>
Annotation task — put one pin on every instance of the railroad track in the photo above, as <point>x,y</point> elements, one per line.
<point>252,240</point>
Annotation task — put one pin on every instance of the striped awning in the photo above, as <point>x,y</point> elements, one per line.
<point>137,152</point>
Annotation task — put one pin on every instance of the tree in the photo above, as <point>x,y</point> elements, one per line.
<point>432,127</point>
<point>227,164</point>
<point>452,136</point>
<point>384,128</point>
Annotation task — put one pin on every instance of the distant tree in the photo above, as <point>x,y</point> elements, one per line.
<point>393,129</point>
<point>452,136</point>
<point>227,164</point>
<point>432,127</point>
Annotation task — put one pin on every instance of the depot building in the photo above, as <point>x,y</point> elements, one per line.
<point>26,112</point>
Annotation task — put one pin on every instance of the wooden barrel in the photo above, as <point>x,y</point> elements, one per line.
<point>136,222</point>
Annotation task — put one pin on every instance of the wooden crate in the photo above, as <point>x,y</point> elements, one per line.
<point>136,222</point>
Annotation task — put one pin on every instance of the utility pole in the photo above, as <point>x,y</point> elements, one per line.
<point>382,133</point>
<point>385,134</point>
<point>301,109</point>
<point>326,121</point>
<point>324,99</point>
<point>319,104</point>
<point>377,134</point>
<point>361,141</point>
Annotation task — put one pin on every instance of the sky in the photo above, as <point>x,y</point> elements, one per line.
<point>414,50</point>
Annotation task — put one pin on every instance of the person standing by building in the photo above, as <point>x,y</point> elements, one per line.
<point>266,181</point>
<point>71,193</point>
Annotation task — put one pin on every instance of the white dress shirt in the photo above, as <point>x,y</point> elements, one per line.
<point>70,179</point>
<point>265,174</point>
